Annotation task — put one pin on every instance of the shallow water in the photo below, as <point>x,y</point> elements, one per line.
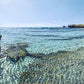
<point>44,40</point>
<point>41,40</point>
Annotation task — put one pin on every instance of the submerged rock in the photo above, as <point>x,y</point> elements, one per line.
<point>16,52</point>
<point>22,45</point>
<point>28,76</point>
<point>0,57</point>
<point>0,37</point>
<point>55,70</point>
<point>59,54</point>
<point>37,55</point>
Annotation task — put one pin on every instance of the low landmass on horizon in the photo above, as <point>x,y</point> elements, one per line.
<point>76,26</point>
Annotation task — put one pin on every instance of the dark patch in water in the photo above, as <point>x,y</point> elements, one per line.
<point>37,31</point>
<point>58,39</point>
<point>42,35</point>
<point>70,38</point>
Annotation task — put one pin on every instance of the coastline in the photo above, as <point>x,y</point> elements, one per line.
<point>76,26</point>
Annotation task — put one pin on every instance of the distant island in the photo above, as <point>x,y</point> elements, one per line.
<point>76,26</point>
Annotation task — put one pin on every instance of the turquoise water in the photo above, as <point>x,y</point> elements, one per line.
<point>44,40</point>
<point>40,40</point>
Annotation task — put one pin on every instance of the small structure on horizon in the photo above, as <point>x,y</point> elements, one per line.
<point>64,26</point>
<point>0,43</point>
<point>0,37</point>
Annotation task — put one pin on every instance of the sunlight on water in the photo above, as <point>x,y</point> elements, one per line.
<point>40,40</point>
<point>11,71</point>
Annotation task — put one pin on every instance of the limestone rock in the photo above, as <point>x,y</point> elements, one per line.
<point>15,53</point>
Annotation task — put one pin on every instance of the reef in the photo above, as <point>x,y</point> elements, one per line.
<point>63,67</point>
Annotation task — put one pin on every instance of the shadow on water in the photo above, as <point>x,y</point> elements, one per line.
<point>41,35</point>
<point>69,38</point>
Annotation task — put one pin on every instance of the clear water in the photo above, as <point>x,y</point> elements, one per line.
<point>41,40</point>
<point>44,40</point>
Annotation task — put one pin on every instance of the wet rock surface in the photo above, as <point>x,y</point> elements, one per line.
<point>17,52</point>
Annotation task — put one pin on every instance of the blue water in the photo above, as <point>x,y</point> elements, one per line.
<point>44,39</point>
<point>41,40</point>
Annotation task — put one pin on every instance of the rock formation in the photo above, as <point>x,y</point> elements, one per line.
<point>17,52</point>
<point>0,37</point>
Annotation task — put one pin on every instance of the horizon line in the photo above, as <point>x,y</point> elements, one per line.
<point>31,25</point>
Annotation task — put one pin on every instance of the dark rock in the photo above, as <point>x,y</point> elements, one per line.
<point>0,48</point>
<point>59,54</point>
<point>80,49</point>
<point>22,45</point>
<point>0,37</point>
<point>35,65</point>
<point>64,52</point>
<point>14,53</point>
<point>0,56</point>
<point>64,26</point>
<point>27,77</point>
<point>37,55</point>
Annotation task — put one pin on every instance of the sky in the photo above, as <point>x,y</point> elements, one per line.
<point>41,12</point>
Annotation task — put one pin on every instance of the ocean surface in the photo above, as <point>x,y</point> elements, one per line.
<point>44,39</point>
<point>41,40</point>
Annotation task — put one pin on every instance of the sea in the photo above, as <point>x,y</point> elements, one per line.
<point>40,40</point>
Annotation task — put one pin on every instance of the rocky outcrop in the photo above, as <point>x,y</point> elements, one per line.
<point>16,52</point>
<point>0,37</point>
<point>64,26</point>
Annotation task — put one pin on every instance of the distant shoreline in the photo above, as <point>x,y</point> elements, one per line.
<point>76,26</point>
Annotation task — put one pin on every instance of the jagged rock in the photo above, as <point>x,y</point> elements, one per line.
<point>15,52</point>
<point>0,37</point>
